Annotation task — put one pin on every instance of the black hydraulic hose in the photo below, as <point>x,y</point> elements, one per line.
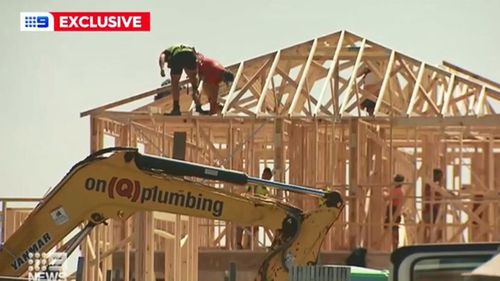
<point>99,153</point>
<point>176,167</point>
<point>75,241</point>
<point>288,187</point>
<point>182,168</point>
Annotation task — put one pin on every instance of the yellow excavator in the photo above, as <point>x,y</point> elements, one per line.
<point>114,183</point>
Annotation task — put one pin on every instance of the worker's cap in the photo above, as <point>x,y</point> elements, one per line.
<point>228,76</point>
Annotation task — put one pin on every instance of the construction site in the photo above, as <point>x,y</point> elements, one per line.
<point>309,114</point>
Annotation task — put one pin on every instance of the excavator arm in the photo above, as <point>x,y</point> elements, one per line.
<point>117,182</point>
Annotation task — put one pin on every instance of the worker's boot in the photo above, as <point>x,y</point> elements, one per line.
<point>201,111</point>
<point>216,108</point>
<point>176,111</point>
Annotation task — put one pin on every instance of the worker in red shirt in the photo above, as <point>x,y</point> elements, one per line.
<point>212,73</point>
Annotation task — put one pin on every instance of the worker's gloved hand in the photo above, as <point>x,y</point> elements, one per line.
<point>162,73</point>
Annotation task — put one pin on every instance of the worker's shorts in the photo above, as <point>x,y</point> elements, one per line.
<point>367,104</point>
<point>182,60</point>
<point>392,212</point>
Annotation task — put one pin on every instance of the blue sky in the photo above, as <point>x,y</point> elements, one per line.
<point>47,79</point>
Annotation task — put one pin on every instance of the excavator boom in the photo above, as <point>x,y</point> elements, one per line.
<point>117,182</point>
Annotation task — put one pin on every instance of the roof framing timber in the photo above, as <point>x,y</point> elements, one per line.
<point>322,77</point>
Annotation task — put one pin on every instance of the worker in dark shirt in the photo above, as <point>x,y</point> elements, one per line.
<point>431,205</point>
<point>395,197</point>
<point>181,58</point>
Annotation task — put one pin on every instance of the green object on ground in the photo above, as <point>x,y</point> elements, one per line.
<point>368,274</point>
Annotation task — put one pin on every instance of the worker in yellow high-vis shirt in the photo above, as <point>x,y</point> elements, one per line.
<point>260,191</point>
<point>322,200</point>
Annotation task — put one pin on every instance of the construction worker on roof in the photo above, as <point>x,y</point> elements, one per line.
<point>181,58</point>
<point>212,73</point>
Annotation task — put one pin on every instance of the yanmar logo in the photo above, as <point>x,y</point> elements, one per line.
<point>85,21</point>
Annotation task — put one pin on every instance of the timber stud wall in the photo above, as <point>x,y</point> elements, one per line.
<point>357,156</point>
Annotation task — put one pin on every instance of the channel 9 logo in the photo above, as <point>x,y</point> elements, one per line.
<point>37,21</point>
<point>85,21</point>
<point>46,266</point>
